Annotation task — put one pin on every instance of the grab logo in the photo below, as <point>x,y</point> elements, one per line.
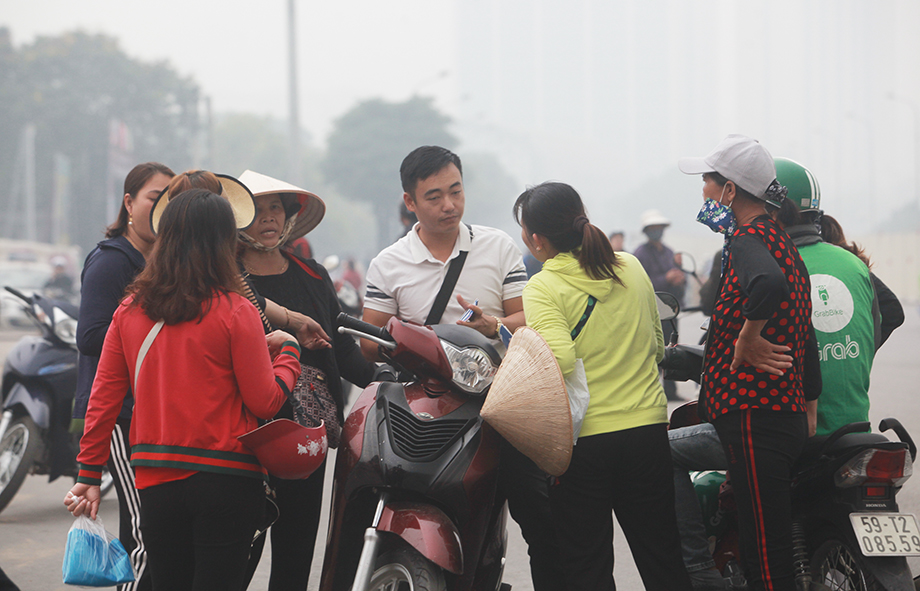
<point>831,303</point>
<point>839,351</point>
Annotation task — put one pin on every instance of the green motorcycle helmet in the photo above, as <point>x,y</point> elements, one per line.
<point>706,485</point>
<point>802,185</point>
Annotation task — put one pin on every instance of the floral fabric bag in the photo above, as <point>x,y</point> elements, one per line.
<point>312,393</point>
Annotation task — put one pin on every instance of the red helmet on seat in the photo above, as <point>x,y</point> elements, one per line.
<point>286,449</point>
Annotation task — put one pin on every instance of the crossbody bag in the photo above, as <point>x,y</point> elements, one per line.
<point>576,383</point>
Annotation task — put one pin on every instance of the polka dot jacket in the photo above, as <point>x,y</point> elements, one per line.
<point>765,278</point>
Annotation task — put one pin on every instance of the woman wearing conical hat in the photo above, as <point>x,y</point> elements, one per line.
<point>283,214</point>
<point>307,331</point>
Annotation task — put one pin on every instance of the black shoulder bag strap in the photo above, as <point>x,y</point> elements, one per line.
<point>584,317</point>
<point>247,291</point>
<point>447,287</point>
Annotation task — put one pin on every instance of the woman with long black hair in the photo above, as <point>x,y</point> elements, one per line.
<point>107,272</point>
<point>199,383</point>
<point>592,304</point>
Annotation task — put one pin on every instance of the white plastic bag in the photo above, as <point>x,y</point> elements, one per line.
<point>94,557</point>
<point>576,384</point>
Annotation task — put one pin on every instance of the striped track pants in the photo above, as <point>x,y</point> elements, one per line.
<point>129,506</point>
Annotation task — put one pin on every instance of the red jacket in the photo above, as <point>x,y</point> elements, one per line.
<point>201,385</point>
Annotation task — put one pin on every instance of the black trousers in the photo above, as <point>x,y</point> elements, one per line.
<point>627,472</point>
<point>6,584</point>
<point>761,447</point>
<point>293,534</point>
<point>199,530</point>
<point>527,489</point>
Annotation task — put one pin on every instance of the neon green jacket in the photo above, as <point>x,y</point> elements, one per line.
<point>620,344</point>
<point>842,299</point>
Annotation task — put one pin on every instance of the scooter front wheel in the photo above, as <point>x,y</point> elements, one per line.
<point>20,446</point>
<point>404,569</point>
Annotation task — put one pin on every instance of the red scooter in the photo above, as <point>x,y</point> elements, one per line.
<point>415,501</point>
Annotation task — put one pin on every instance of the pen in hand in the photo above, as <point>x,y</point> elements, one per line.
<point>469,313</point>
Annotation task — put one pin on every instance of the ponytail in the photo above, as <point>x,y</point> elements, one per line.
<point>556,212</point>
<point>596,256</point>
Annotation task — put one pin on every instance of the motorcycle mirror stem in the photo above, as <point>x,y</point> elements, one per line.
<point>668,309</point>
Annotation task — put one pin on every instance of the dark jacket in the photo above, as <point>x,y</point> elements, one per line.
<point>109,269</point>
<point>657,262</point>
<point>306,288</point>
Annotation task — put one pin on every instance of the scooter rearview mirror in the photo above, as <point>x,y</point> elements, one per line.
<point>668,309</point>
<point>668,306</point>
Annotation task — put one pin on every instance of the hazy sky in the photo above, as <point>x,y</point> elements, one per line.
<point>604,94</point>
<point>237,49</point>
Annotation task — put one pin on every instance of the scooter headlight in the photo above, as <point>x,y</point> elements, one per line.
<point>65,327</point>
<point>472,367</point>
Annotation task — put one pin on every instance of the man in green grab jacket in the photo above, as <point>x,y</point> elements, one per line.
<point>845,306</point>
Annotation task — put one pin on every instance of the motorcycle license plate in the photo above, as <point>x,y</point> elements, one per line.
<point>886,534</point>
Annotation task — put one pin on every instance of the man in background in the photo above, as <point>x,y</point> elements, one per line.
<point>663,268</point>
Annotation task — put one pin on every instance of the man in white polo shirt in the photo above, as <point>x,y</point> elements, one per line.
<point>404,280</point>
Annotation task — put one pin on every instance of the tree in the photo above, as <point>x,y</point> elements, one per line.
<point>72,87</point>
<point>369,142</point>
<point>261,144</point>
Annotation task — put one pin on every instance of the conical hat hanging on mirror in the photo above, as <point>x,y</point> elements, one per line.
<point>528,404</point>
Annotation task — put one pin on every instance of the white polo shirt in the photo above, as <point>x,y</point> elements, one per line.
<point>404,278</point>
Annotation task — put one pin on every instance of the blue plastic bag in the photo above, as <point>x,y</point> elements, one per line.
<point>94,557</point>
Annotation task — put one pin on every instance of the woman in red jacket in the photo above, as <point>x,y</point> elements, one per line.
<point>203,381</point>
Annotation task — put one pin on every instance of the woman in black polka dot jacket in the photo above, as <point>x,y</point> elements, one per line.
<point>761,376</point>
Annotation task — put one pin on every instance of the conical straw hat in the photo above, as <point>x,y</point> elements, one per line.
<point>309,208</point>
<point>528,404</point>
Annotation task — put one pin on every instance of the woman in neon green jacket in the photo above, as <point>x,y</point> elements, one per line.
<point>593,304</point>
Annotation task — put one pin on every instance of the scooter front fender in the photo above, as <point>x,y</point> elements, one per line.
<point>37,404</point>
<point>427,529</point>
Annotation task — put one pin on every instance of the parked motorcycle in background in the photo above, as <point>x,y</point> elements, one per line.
<point>415,500</point>
<point>38,384</point>
<point>848,532</point>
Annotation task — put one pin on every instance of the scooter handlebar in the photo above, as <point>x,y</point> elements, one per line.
<point>18,294</point>
<point>682,363</point>
<point>365,328</point>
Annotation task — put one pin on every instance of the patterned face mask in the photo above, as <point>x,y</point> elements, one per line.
<point>718,217</point>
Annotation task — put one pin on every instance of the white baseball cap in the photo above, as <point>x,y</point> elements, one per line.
<point>740,159</point>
